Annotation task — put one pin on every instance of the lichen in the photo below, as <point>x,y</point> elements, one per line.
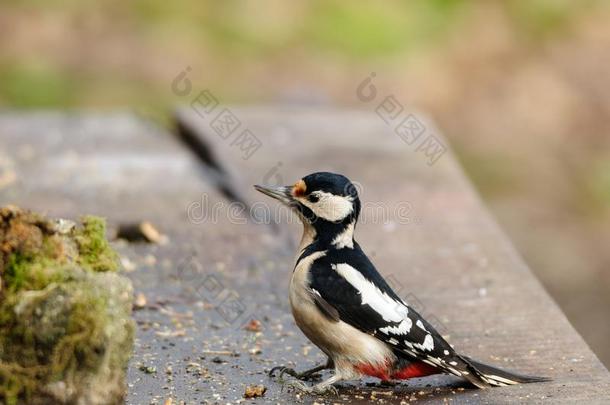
<point>65,329</point>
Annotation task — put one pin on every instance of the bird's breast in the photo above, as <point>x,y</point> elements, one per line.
<point>306,314</point>
<point>345,344</point>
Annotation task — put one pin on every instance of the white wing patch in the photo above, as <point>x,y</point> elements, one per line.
<point>427,345</point>
<point>420,325</point>
<point>401,329</point>
<point>389,309</point>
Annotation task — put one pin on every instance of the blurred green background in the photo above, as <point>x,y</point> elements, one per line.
<point>520,88</point>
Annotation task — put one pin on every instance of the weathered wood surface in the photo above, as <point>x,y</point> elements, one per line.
<point>116,165</point>
<point>436,242</point>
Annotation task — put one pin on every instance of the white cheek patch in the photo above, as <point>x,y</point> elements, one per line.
<point>330,207</point>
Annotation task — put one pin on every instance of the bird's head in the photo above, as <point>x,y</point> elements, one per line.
<point>321,199</point>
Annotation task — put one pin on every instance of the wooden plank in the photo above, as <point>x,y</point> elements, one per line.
<point>445,252</point>
<point>113,165</point>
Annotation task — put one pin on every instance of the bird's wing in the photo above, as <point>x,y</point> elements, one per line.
<point>350,284</point>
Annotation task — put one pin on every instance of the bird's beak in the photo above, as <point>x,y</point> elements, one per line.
<point>281,193</point>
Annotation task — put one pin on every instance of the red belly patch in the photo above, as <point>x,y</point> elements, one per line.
<point>379,371</point>
<point>384,371</point>
<point>413,370</point>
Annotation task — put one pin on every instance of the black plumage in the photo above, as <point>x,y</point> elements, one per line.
<point>346,299</point>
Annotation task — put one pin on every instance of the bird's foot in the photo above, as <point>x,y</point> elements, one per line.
<point>283,370</point>
<point>307,375</point>
<point>319,389</point>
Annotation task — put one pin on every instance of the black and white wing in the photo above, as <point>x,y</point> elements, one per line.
<point>350,288</point>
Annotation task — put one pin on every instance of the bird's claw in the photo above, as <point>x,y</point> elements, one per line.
<point>329,389</point>
<point>304,376</point>
<point>316,389</point>
<point>283,370</point>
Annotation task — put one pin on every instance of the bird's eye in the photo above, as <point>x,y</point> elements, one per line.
<point>313,198</point>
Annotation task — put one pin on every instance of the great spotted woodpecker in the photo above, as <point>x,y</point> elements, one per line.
<point>346,308</point>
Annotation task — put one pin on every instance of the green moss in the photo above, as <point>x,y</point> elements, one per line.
<point>93,248</point>
<point>31,273</point>
<point>65,328</point>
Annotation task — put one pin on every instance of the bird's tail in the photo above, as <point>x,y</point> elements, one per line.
<point>483,375</point>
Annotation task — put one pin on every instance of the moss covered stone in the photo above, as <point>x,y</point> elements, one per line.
<point>65,328</point>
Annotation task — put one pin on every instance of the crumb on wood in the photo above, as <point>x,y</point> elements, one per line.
<point>255,391</point>
<point>254,326</point>
<point>140,301</point>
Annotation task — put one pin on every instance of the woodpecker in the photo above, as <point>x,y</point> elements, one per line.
<point>347,309</point>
